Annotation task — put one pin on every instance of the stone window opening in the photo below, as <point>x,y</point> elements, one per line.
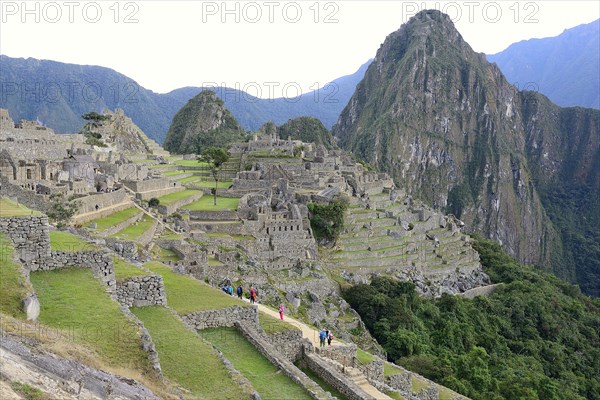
<point>28,173</point>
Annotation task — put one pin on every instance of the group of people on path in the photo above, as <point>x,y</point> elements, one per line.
<point>325,335</point>
<point>227,288</point>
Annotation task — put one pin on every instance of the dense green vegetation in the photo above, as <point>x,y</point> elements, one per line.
<point>264,376</point>
<point>536,337</point>
<point>580,231</point>
<point>327,220</point>
<point>202,122</point>
<point>306,129</point>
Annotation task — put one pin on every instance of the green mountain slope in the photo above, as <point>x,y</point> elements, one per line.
<point>203,121</point>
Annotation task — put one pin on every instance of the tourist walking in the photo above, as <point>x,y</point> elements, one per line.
<point>252,294</point>
<point>329,339</point>
<point>281,311</point>
<point>239,291</point>
<point>322,337</point>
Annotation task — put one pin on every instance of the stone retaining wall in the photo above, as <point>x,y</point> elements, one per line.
<point>373,370</point>
<point>120,226</point>
<point>335,378</point>
<point>30,238</point>
<point>344,354</point>
<point>142,291</point>
<point>225,317</point>
<point>214,215</point>
<point>287,343</point>
<point>148,235</point>
<point>281,362</point>
<point>100,263</point>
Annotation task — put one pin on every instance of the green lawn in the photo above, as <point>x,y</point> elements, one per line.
<point>268,381</point>
<point>363,356</point>
<point>77,305</point>
<point>186,359</point>
<point>206,204</point>
<point>323,383</point>
<point>124,270</point>
<point>167,255</point>
<point>113,219</point>
<point>273,325</point>
<point>173,197</point>
<point>173,173</point>
<point>11,282</point>
<point>211,184</point>
<point>9,208</point>
<point>136,229</point>
<point>66,241</point>
<point>390,369</point>
<point>186,295</point>
<point>190,163</point>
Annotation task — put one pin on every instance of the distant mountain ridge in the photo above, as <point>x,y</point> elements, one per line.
<point>566,68</point>
<point>57,94</point>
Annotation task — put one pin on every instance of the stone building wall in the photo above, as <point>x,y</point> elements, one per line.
<point>225,317</point>
<point>23,196</point>
<point>214,215</point>
<point>102,200</point>
<point>141,291</point>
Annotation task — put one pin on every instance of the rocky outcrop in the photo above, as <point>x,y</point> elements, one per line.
<point>62,378</point>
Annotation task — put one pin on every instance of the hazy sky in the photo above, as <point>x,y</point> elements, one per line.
<point>268,48</point>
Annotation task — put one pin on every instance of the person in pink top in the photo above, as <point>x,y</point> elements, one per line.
<point>281,311</point>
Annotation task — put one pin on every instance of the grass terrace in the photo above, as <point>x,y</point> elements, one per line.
<point>273,325</point>
<point>187,359</point>
<point>77,306</point>
<point>136,229</point>
<point>124,270</point>
<point>266,378</point>
<point>9,208</point>
<point>113,219</point>
<point>173,197</point>
<point>190,163</point>
<point>211,184</point>
<point>173,173</point>
<point>66,241</point>
<point>11,282</point>
<point>206,204</point>
<point>186,295</point>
